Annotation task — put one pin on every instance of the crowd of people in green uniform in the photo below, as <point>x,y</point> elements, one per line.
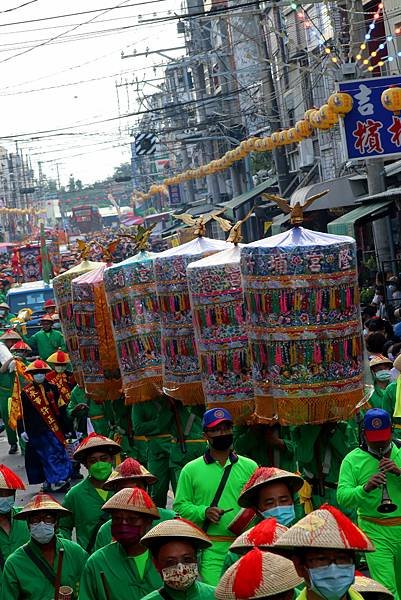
<point>165,500</point>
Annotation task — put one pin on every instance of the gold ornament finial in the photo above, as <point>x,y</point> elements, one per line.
<point>235,235</point>
<point>142,237</point>
<point>199,223</point>
<point>296,211</point>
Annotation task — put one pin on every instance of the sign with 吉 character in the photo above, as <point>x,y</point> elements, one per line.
<point>370,130</point>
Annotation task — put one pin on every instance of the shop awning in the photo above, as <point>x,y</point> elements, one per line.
<point>342,192</point>
<point>233,205</point>
<point>345,225</point>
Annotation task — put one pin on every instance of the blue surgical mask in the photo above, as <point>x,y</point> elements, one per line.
<point>6,504</point>
<point>383,375</point>
<point>284,514</point>
<point>39,377</point>
<point>42,532</point>
<point>332,582</point>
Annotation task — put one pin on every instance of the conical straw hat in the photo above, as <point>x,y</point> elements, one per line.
<point>93,442</point>
<point>10,480</point>
<point>59,358</point>
<point>257,575</point>
<point>10,334</point>
<point>176,528</point>
<point>129,470</point>
<point>326,527</point>
<point>37,365</point>
<point>41,502</point>
<point>133,499</point>
<point>263,535</point>
<point>365,585</point>
<point>261,477</point>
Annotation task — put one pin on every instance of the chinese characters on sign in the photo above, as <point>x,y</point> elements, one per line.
<point>369,129</point>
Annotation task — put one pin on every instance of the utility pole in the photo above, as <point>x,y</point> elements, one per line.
<point>273,111</point>
<point>196,46</point>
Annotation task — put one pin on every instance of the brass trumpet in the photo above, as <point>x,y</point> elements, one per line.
<point>386,505</point>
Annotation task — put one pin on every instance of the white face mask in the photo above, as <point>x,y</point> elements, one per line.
<point>59,369</point>
<point>39,377</point>
<point>42,532</point>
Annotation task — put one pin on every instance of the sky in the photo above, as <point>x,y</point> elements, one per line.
<point>30,62</point>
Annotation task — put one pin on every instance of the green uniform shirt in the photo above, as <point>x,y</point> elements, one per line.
<point>23,580</point>
<point>46,343</point>
<point>335,443</point>
<point>6,385</point>
<point>249,441</point>
<point>152,418</point>
<point>104,536</point>
<point>356,469</point>
<point>376,398</point>
<point>17,536</point>
<point>85,503</point>
<point>197,591</point>
<point>97,412</point>
<point>197,486</point>
<point>121,572</point>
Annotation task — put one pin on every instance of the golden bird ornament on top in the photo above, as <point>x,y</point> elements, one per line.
<point>142,237</point>
<point>235,235</point>
<point>84,249</point>
<point>200,222</point>
<point>296,211</point>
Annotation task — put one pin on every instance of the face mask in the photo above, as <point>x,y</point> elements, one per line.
<point>39,377</point>
<point>380,453</point>
<point>59,369</point>
<point>126,534</point>
<point>284,514</point>
<point>332,582</point>
<point>383,375</point>
<point>57,326</point>
<point>365,332</point>
<point>180,577</point>
<point>222,442</point>
<point>100,470</point>
<point>391,356</point>
<point>6,504</point>
<point>42,532</point>
<point>2,313</point>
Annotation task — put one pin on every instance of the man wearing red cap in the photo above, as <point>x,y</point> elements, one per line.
<point>42,425</point>
<point>64,380</point>
<point>209,487</point>
<point>363,473</point>
<point>7,378</point>
<point>46,341</point>
<point>49,307</point>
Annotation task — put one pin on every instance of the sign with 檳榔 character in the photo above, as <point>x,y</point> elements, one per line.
<point>370,130</point>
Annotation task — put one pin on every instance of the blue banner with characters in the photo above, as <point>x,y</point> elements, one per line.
<point>370,129</point>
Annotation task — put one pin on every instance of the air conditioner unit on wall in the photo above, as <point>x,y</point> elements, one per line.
<point>306,154</point>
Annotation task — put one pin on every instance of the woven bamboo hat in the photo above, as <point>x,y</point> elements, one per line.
<point>263,535</point>
<point>41,502</point>
<point>59,358</point>
<point>366,585</point>
<point>263,476</point>
<point>10,480</point>
<point>379,359</point>
<point>257,575</point>
<point>46,318</point>
<point>10,334</point>
<point>4,305</point>
<point>328,528</point>
<point>21,346</point>
<point>176,529</point>
<point>37,366</point>
<point>133,499</point>
<point>94,442</point>
<point>129,470</point>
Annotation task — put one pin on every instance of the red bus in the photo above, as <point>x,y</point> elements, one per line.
<point>86,218</point>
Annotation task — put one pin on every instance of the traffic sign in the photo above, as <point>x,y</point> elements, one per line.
<point>145,144</point>
<point>370,130</point>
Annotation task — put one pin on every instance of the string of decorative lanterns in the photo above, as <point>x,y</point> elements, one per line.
<point>324,118</point>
